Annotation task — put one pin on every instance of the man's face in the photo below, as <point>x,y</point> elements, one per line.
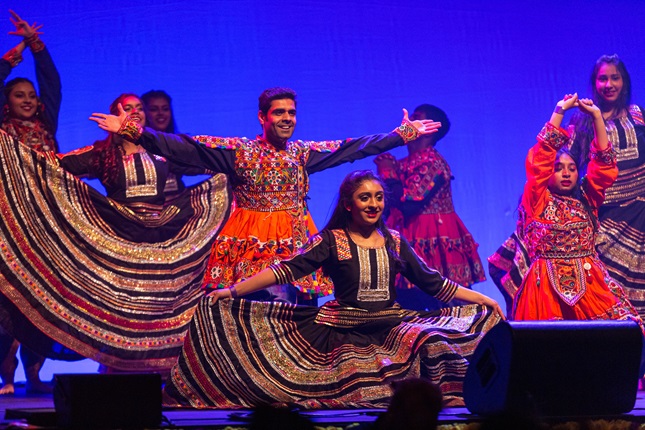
<point>279,122</point>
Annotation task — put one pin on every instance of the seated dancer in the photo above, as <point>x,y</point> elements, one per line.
<point>566,279</point>
<point>423,211</point>
<point>269,176</point>
<point>32,120</point>
<point>240,353</point>
<point>113,278</point>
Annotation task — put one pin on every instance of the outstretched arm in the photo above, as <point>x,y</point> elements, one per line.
<point>264,279</point>
<point>472,296</point>
<point>325,155</point>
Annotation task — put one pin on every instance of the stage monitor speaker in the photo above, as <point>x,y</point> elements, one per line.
<point>115,401</point>
<point>555,368</point>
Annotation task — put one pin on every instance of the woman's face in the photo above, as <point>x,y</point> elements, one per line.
<point>158,113</point>
<point>565,175</point>
<point>23,101</point>
<point>367,204</point>
<point>134,108</point>
<point>609,83</point>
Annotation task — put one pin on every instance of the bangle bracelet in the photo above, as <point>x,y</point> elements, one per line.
<point>233,292</point>
<point>558,110</point>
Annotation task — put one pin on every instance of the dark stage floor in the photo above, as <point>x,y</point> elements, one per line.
<point>41,407</point>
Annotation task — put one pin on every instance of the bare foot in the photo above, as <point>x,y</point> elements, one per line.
<point>7,390</point>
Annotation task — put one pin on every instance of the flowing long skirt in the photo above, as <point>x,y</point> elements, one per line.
<point>241,353</point>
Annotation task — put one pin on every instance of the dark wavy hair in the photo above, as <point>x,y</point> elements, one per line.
<point>583,124</point>
<point>10,85</point>
<point>108,151</point>
<point>275,93</point>
<point>341,217</point>
<point>578,190</point>
<point>436,114</point>
<point>160,94</point>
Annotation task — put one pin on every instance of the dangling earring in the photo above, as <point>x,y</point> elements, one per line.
<point>5,110</point>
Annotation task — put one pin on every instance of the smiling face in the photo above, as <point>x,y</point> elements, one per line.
<point>609,83</point>
<point>22,101</point>
<point>158,113</point>
<point>367,204</point>
<point>279,122</point>
<point>133,106</point>
<point>565,176</point>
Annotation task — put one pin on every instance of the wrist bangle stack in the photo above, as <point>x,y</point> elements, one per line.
<point>233,292</point>
<point>558,110</point>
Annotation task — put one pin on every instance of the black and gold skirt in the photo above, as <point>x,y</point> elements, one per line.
<point>240,354</point>
<point>76,279</point>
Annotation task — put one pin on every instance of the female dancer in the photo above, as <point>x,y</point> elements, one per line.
<point>423,210</point>
<point>621,237</point>
<point>32,120</point>
<point>113,278</point>
<point>567,280</point>
<point>240,353</point>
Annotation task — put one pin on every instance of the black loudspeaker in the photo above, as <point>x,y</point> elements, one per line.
<point>556,368</point>
<point>89,401</point>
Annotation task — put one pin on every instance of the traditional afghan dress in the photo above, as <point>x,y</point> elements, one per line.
<point>566,279</point>
<point>241,353</point>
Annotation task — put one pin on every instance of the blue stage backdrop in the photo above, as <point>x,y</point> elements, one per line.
<point>496,67</point>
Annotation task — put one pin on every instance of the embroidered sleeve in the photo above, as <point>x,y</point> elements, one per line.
<point>607,156</point>
<point>448,291</point>
<point>407,131</point>
<point>220,142</point>
<point>324,146</point>
<point>130,129</point>
<point>13,57</point>
<point>540,166</point>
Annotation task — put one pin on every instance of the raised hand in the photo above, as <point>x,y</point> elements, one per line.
<point>424,126</point>
<point>23,29</point>
<point>111,123</point>
<point>569,101</point>
<point>587,106</point>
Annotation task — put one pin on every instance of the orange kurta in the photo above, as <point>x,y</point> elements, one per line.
<point>566,280</point>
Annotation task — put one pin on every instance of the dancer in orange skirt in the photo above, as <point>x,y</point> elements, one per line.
<point>567,280</point>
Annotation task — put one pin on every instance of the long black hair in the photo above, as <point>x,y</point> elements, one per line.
<point>583,123</point>
<point>341,217</point>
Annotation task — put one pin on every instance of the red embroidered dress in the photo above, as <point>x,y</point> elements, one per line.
<point>426,216</point>
<point>566,280</point>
